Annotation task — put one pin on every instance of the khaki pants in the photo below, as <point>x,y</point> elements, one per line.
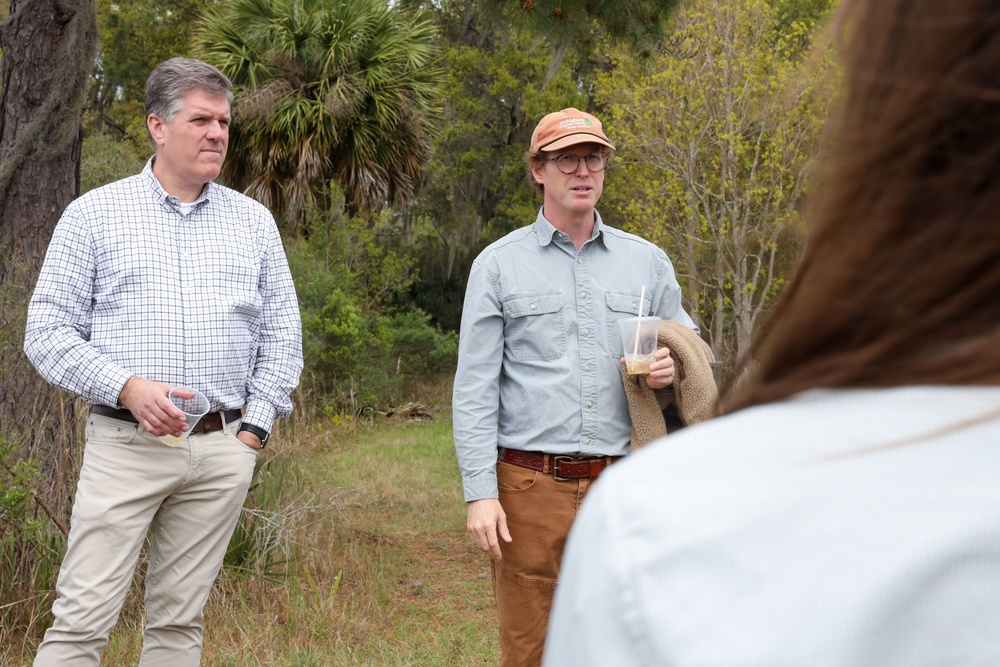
<point>188,498</point>
<point>539,512</point>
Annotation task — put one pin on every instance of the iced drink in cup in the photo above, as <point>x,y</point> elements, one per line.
<point>194,408</point>
<point>639,335</point>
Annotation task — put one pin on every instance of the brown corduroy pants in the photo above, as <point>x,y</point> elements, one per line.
<point>539,512</point>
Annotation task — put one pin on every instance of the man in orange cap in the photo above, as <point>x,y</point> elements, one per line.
<point>539,407</point>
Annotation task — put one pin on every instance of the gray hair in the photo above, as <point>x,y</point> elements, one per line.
<point>174,78</point>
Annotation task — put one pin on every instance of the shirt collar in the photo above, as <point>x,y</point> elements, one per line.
<point>545,230</point>
<point>164,198</point>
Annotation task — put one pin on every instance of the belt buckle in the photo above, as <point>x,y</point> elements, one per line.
<point>555,467</point>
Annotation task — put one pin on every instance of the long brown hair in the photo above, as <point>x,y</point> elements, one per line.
<point>899,282</point>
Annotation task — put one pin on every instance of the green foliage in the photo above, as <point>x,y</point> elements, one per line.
<point>638,23</point>
<point>806,13</point>
<point>419,347</point>
<point>499,83</point>
<point>106,159</point>
<point>342,91</point>
<point>346,343</point>
<point>22,453</point>
<point>30,548</point>
<point>496,96</point>
<point>15,490</point>
<point>715,144</point>
<point>359,351</point>
<point>135,37</point>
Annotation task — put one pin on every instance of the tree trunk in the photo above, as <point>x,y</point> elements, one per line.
<point>49,47</point>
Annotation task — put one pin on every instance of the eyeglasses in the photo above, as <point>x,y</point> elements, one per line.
<point>568,163</point>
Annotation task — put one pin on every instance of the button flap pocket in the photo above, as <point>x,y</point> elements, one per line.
<point>533,304</point>
<point>626,302</point>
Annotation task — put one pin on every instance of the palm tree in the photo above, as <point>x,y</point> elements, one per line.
<point>326,90</point>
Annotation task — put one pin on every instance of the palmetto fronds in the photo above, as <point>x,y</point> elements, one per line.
<point>342,90</point>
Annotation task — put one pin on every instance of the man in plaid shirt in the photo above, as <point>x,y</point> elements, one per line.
<point>159,280</point>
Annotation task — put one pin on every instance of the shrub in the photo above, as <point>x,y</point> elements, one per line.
<point>106,159</point>
<point>421,348</point>
<point>362,352</point>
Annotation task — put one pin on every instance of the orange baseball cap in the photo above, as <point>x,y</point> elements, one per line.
<point>566,128</point>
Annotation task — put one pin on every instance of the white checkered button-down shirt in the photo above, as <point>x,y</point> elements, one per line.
<point>131,286</point>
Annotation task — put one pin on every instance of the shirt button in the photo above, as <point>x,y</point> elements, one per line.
<point>586,332</point>
<point>579,260</point>
<point>533,307</point>
<point>587,367</point>
<point>583,295</point>
<point>586,441</point>
<point>590,404</point>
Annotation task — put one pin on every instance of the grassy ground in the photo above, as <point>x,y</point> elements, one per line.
<point>379,568</point>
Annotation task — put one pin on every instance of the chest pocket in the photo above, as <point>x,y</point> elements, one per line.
<point>236,275</point>
<point>535,325</point>
<point>622,305</point>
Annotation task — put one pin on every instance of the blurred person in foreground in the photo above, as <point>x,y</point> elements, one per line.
<point>845,512</point>
<point>162,279</point>
<point>539,405</point>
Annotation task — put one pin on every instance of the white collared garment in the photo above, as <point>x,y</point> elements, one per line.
<point>836,529</point>
<point>131,286</point>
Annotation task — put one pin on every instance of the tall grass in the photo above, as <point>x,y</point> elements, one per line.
<point>37,466</point>
<point>30,547</point>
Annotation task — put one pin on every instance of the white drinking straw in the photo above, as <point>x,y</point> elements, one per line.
<point>635,345</point>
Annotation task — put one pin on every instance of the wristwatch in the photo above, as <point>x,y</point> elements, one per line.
<point>257,431</point>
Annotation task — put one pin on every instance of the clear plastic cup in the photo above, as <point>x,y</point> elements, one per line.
<point>639,335</point>
<point>194,408</point>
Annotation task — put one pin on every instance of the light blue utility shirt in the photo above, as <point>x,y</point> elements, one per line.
<point>538,361</point>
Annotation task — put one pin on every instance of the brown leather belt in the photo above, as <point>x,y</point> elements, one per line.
<point>563,468</point>
<point>210,422</point>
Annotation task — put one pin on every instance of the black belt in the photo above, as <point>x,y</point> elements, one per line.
<point>210,422</point>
